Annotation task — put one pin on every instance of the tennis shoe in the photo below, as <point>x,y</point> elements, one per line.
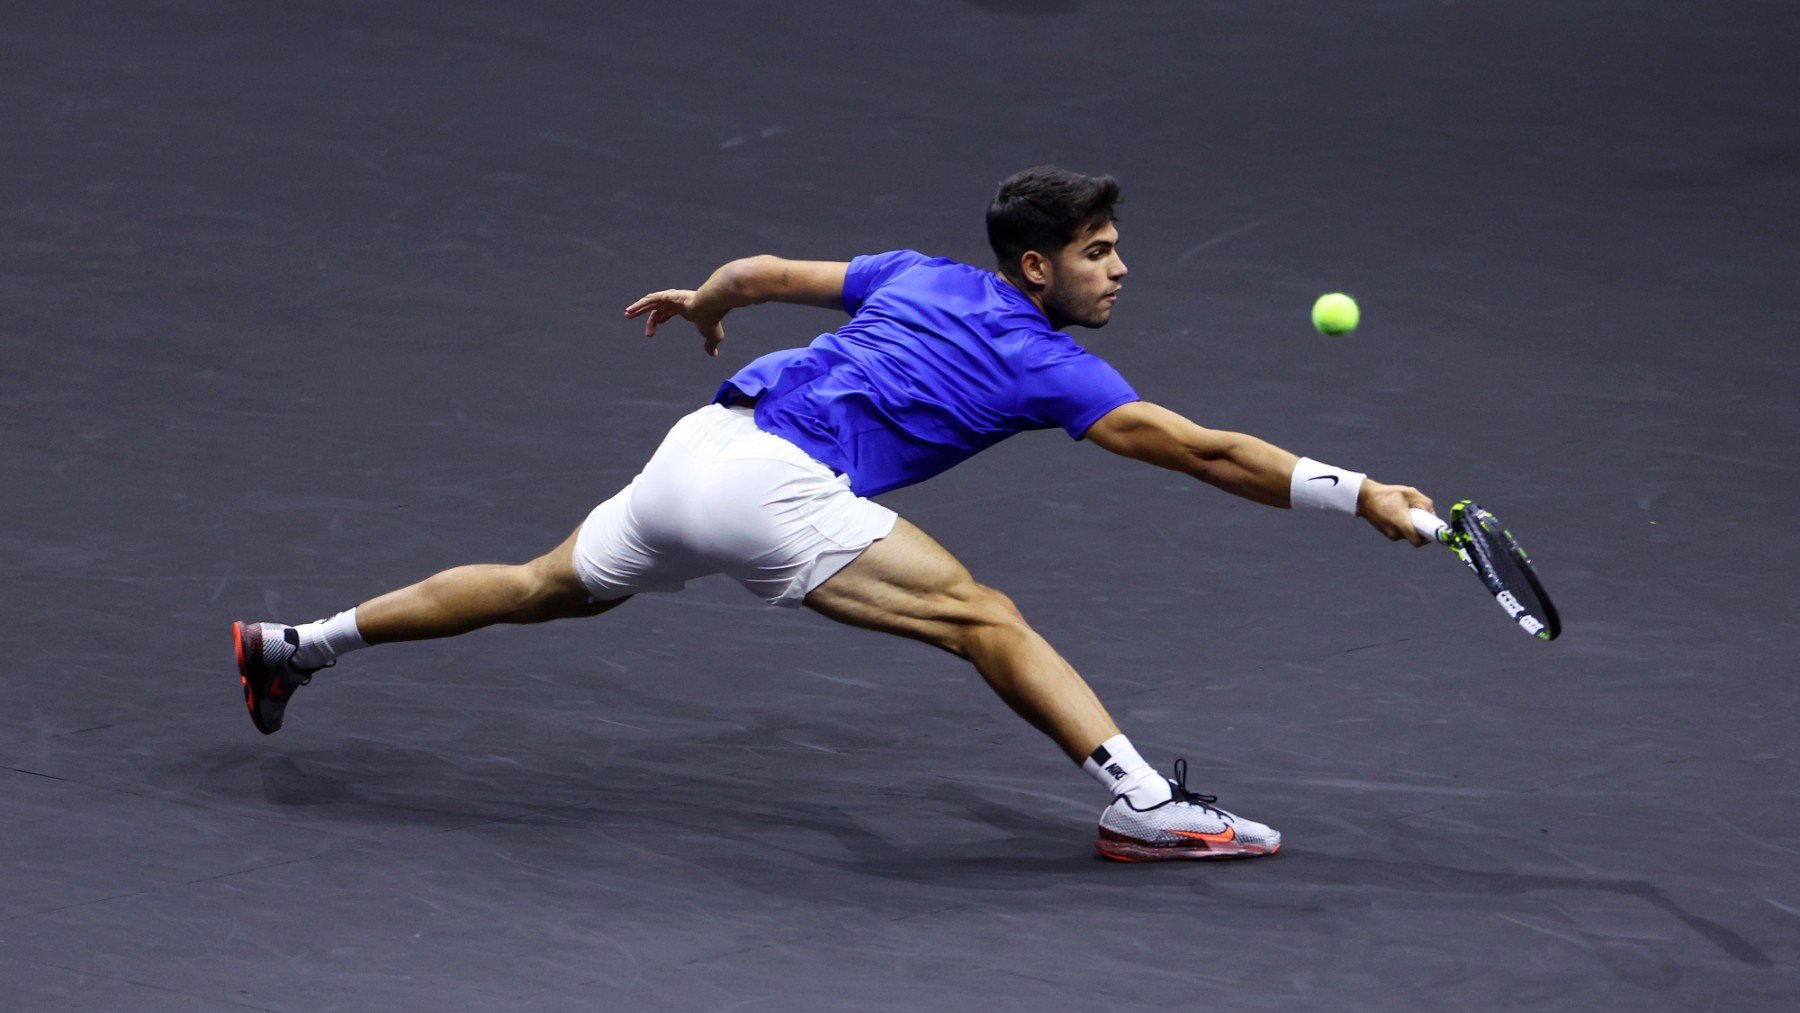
<point>265,659</point>
<point>1188,826</point>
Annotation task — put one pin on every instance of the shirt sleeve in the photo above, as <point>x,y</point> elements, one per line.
<point>870,272</point>
<point>1072,388</point>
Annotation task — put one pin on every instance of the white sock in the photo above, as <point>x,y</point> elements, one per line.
<point>321,642</point>
<point>1118,767</point>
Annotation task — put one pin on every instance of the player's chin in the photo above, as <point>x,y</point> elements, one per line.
<point>1099,318</point>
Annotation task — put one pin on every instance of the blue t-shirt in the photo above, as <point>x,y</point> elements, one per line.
<point>939,361</point>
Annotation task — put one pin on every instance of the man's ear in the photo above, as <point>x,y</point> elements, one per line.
<point>1035,268</point>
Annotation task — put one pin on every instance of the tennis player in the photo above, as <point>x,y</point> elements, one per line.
<point>773,483</point>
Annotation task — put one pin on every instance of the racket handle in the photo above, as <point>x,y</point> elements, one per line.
<point>1429,525</point>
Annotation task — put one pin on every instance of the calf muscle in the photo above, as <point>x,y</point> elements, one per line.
<point>467,598</point>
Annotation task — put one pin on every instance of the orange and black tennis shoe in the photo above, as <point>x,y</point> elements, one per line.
<point>265,660</point>
<point>1188,825</point>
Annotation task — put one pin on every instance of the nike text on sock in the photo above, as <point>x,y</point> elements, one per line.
<point>1118,767</point>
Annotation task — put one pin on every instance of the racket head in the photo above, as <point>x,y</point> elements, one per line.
<point>1496,557</point>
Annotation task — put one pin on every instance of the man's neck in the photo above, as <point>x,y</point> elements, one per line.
<point>1036,300</point>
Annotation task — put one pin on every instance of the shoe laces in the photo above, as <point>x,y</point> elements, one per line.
<point>303,675</point>
<point>1186,797</point>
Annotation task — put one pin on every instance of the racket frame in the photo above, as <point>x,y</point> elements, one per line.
<point>1475,549</point>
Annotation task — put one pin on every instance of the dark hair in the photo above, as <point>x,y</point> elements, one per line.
<point>1045,208</point>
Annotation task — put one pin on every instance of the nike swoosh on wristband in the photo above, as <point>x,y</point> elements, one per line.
<point>1229,835</point>
<point>1324,478</point>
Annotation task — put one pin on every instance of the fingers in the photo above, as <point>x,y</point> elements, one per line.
<point>1391,513</point>
<point>1405,529</point>
<point>669,300</point>
<point>659,308</point>
<point>1402,532</point>
<point>655,312</point>
<point>644,303</point>
<point>1413,534</point>
<point>648,304</point>
<point>1415,498</point>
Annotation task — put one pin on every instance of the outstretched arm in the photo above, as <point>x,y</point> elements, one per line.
<point>744,282</point>
<point>1239,464</point>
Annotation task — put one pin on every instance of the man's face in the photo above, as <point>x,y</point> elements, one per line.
<point>1085,278</point>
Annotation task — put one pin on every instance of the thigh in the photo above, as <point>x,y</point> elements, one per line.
<point>905,584</point>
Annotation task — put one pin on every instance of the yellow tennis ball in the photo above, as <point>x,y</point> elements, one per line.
<point>1335,313</point>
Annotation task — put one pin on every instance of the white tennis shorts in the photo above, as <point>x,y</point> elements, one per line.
<point>722,496</point>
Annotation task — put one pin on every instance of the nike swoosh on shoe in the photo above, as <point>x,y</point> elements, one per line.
<point>1229,835</point>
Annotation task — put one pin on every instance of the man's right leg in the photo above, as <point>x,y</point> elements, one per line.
<point>907,584</point>
<point>468,598</point>
<point>274,660</point>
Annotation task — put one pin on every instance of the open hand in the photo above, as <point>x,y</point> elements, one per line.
<point>1387,508</point>
<point>660,307</point>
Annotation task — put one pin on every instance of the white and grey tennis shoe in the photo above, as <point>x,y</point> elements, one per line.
<point>1187,826</point>
<point>265,659</point>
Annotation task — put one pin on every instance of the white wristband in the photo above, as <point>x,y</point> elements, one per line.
<point>1322,487</point>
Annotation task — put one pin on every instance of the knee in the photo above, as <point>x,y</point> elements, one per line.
<point>983,617</point>
<point>543,590</point>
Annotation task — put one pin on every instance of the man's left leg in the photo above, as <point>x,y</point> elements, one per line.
<point>274,660</point>
<point>909,585</point>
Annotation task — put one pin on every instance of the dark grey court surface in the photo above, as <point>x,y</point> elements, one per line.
<point>299,302</point>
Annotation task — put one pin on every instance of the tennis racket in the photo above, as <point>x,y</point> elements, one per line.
<point>1492,552</point>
